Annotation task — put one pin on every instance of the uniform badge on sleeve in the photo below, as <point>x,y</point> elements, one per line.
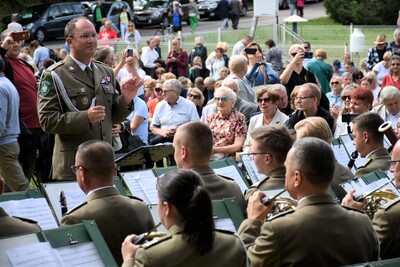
<point>105,80</point>
<point>45,88</point>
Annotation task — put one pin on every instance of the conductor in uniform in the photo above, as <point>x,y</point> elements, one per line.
<point>116,216</point>
<point>77,98</point>
<point>319,232</point>
<point>368,141</point>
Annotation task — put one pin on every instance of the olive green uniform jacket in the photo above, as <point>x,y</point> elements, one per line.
<point>378,159</point>
<point>319,233</point>
<point>116,216</point>
<point>387,225</point>
<point>274,180</point>
<point>220,187</point>
<point>173,250</point>
<point>73,128</point>
<point>10,226</point>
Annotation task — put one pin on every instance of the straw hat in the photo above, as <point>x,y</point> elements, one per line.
<point>380,39</point>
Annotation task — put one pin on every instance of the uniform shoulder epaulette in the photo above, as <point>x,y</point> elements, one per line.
<point>281,214</point>
<point>55,65</point>
<point>224,231</point>
<point>26,220</point>
<point>136,198</point>
<point>156,241</point>
<point>76,207</point>
<point>100,63</point>
<point>352,209</point>
<point>391,203</point>
<point>368,161</point>
<point>226,177</point>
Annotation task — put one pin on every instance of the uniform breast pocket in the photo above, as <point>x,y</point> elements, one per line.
<point>80,98</point>
<point>109,92</point>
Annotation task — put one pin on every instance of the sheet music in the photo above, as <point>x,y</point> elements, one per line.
<point>251,168</point>
<point>361,187</point>
<point>14,242</point>
<point>340,154</point>
<point>232,172</point>
<point>82,254</point>
<point>33,255</point>
<point>348,143</point>
<point>156,218</point>
<point>225,224</point>
<point>35,209</point>
<point>142,184</point>
<point>74,198</point>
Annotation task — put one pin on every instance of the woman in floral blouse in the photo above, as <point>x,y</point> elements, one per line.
<point>228,125</point>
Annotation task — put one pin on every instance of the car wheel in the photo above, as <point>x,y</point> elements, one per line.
<point>165,21</point>
<point>244,11</point>
<point>40,35</point>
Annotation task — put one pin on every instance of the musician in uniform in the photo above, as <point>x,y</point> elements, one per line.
<point>318,127</point>
<point>319,232</point>
<point>185,209</point>
<point>10,225</point>
<point>386,219</point>
<point>193,144</point>
<point>269,147</point>
<point>368,141</point>
<point>77,100</point>
<point>116,216</point>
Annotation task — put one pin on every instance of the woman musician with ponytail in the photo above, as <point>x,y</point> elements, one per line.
<point>185,209</point>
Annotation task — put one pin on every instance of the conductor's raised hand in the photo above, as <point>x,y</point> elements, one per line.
<point>255,209</point>
<point>129,88</point>
<point>96,113</point>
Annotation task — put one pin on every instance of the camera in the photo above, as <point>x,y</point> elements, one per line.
<point>308,54</point>
<point>129,53</point>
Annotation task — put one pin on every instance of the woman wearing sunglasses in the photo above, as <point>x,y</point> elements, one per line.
<point>196,96</point>
<point>335,93</point>
<point>268,102</point>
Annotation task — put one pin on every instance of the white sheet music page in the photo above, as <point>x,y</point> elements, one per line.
<point>33,255</point>
<point>341,154</point>
<point>35,209</point>
<point>74,198</point>
<point>232,172</point>
<point>82,254</point>
<point>142,184</point>
<point>14,242</point>
<point>225,224</point>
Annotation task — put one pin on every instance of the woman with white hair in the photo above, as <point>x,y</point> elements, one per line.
<point>227,125</point>
<point>389,109</point>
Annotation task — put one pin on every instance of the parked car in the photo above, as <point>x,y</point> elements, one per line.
<point>113,9</point>
<point>156,11</point>
<point>46,21</point>
<point>138,5</point>
<point>208,8</point>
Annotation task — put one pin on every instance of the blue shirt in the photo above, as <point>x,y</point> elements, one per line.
<point>9,110</point>
<point>141,110</point>
<point>40,54</point>
<point>334,100</point>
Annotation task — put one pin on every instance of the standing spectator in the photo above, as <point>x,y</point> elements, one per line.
<point>300,8</point>
<point>157,40</point>
<point>10,169</point>
<point>108,34</point>
<point>22,77</point>
<point>148,57</point>
<point>124,18</point>
<point>223,8</point>
<point>321,69</point>
<point>375,54</point>
<point>113,26</point>
<point>236,11</point>
<point>396,43</point>
<point>177,60</point>
<point>382,68</point>
<point>273,55</point>
<point>14,25</point>
<point>292,6</point>
<point>73,117</point>
<point>198,50</point>
<point>132,35</point>
<point>99,13</point>
<point>308,54</point>
<point>240,45</point>
<point>238,69</point>
<point>40,53</point>
<point>193,15</point>
<point>393,78</point>
<point>177,14</point>
<point>216,61</point>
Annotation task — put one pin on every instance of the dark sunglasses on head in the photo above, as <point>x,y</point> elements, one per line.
<point>266,99</point>
<point>332,83</point>
<point>345,97</point>
<point>197,97</point>
<point>158,89</point>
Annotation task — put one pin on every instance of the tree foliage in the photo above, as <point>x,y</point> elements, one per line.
<point>363,12</point>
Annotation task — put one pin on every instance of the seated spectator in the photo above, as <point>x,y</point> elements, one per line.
<point>196,96</point>
<point>149,85</point>
<point>151,104</point>
<point>159,72</point>
<point>228,125</point>
<point>347,79</point>
<point>357,77</point>
<point>393,78</point>
<point>335,93</point>
<point>139,120</point>
<point>223,73</point>
<point>383,68</point>
<point>389,109</point>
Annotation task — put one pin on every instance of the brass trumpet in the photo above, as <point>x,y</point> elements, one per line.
<point>150,235</point>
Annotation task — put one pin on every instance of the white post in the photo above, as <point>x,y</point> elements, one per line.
<point>219,35</point>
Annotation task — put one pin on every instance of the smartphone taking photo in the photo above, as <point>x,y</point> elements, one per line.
<point>129,53</point>
<point>20,36</point>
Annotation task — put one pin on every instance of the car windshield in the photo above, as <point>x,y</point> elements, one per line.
<point>216,1</point>
<point>155,4</point>
<point>32,12</point>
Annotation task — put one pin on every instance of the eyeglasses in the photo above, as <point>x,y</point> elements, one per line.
<point>395,64</point>
<point>197,97</point>
<point>266,99</point>
<point>130,25</point>
<point>346,97</point>
<point>158,89</point>
<point>223,99</point>
<point>303,97</point>
<point>332,83</point>
<point>166,91</point>
<point>86,36</point>
<point>74,168</point>
<point>393,162</point>
<point>306,47</point>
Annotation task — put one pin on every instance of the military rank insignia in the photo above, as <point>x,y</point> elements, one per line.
<point>45,88</point>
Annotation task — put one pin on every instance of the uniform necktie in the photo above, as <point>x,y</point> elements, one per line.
<point>89,73</point>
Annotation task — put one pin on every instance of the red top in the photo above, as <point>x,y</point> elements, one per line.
<point>107,34</point>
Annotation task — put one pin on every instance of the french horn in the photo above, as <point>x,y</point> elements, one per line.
<point>377,199</point>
